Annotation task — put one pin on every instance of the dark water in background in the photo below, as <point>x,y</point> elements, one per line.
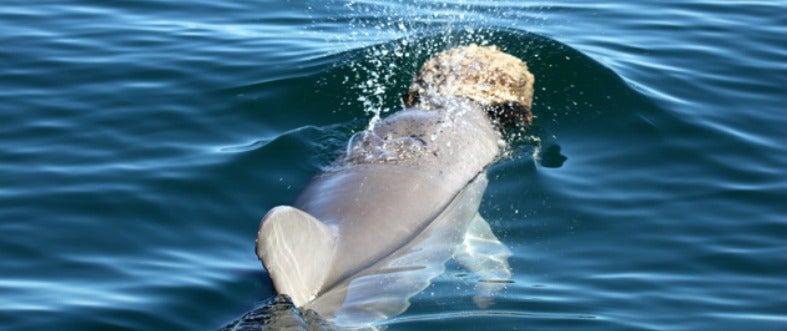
<point>142,142</point>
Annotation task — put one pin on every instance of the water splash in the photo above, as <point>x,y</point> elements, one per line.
<point>397,36</point>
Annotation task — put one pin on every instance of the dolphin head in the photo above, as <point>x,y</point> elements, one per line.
<point>498,82</point>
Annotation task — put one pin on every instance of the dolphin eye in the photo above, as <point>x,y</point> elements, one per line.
<point>510,114</point>
<point>411,98</point>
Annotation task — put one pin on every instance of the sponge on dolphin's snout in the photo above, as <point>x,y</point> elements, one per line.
<point>499,82</point>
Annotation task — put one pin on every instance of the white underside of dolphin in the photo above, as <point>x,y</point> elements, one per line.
<point>365,237</point>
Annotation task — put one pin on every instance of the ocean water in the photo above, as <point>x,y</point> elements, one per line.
<point>143,141</point>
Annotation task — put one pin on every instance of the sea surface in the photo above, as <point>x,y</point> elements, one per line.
<point>142,141</point>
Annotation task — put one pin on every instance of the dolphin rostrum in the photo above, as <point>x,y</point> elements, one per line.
<point>374,229</point>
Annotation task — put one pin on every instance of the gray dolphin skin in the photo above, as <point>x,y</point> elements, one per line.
<point>373,230</point>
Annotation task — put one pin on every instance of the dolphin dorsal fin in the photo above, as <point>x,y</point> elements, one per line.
<point>297,250</point>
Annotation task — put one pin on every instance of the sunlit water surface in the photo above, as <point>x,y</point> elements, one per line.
<point>142,142</point>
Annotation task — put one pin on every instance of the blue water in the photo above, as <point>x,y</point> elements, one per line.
<point>142,143</point>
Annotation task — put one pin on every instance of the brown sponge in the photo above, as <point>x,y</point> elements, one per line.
<point>497,81</point>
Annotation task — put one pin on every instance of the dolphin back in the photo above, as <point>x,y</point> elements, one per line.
<point>296,250</point>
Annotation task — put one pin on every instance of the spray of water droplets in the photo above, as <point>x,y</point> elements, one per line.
<point>389,40</point>
<point>397,35</point>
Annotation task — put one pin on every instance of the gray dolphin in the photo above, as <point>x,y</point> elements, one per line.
<point>372,231</point>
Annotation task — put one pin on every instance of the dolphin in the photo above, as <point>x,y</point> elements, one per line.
<point>372,230</point>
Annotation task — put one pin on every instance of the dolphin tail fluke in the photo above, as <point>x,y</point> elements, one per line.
<point>297,250</point>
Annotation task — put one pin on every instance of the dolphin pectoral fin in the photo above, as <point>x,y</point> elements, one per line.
<point>297,250</point>
<point>483,254</point>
